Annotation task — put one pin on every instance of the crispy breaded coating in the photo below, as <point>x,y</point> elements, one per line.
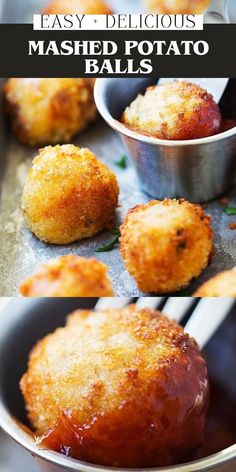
<point>68,195</point>
<point>165,244</point>
<point>221,285</point>
<point>176,110</point>
<point>86,7</point>
<point>123,388</point>
<point>69,276</point>
<point>49,111</point>
<point>176,7</point>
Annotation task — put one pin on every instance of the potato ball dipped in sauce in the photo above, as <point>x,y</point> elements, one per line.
<point>165,244</point>
<point>221,285</point>
<point>69,276</point>
<point>176,7</point>
<point>86,7</point>
<point>49,110</point>
<point>174,111</point>
<point>121,388</point>
<point>68,195</point>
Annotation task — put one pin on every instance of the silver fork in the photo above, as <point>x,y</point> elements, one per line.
<point>206,316</point>
<point>217,12</point>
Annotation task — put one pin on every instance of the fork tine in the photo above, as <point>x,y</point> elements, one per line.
<point>207,317</point>
<point>149,302</point>
<point>112,302</point>
<point>176,308</point>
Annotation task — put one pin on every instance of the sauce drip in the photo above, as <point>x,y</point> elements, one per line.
<point>220,431</point>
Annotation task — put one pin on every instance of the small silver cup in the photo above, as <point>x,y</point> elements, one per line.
<point>22,323</point>
<point>198,169</point>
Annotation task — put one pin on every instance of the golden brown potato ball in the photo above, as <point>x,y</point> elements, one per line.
<point>165,244</point>
<point>68,195</point>
<point>123,388</point>
<point>86,7</point>
<point>49,111</point>
<point>69,276</point>
<point>176,7</point>
<point>222,285</point>
<point>176,110</point>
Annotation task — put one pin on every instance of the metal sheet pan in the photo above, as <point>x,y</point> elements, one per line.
<point>21,253</point>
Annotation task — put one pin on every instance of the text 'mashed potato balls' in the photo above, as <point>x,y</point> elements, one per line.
<point>166,244</point>
<point>121,388</point>
<point>69,276</point>
<point>87,7</point>
<point>176,7</point>
<point>178,110</point>
<point>68,195</point>
<point>221,285</point>
<point>49,110</point>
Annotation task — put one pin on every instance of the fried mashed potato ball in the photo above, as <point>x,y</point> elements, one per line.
<point>176,7</point>
<point>68,195</point>
<point>86,7</point>
<point>165,244</point>
<point>49,111</point>
<point>176,110</point>
<point>122,388</point>
<point>222,285</point>
<point>69,276</point>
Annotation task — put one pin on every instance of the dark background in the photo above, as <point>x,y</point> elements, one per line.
<point>219,62</point>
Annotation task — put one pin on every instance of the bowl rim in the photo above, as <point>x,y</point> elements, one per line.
<point>13,429</point>
<point>99,90</point>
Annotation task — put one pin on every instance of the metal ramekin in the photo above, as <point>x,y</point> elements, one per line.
<point>198,169</point>
<point>22,323</point>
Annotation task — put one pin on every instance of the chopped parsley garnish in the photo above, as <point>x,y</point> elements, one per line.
<point>230,210</point>
<point>122,162</point>
<point>110,246</point>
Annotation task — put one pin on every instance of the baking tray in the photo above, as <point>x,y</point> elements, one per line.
<point>21,253</point>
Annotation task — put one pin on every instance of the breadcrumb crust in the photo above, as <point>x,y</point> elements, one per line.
<point>221,285</point>
<point>68,195</point>
<point>178,110</point>
<point>166,244</point>
<point>49,110</point>
<point>118,387</point>
<point>69,276</point>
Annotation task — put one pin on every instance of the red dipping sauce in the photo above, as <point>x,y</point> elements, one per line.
<point>220,430</point>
